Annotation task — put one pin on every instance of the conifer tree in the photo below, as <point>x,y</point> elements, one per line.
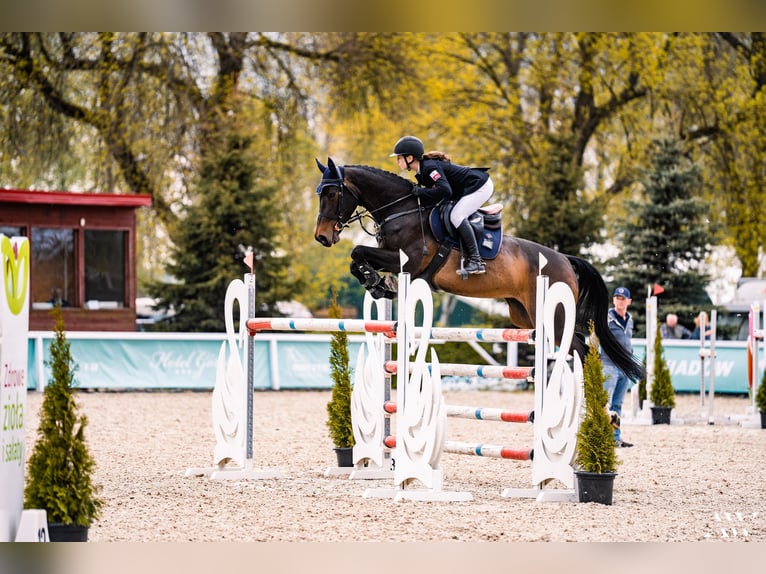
<point>61,466</point>
<point>558,214</point>
<point>662,393</point>
<point>665,238</point>
<point>595,437</point>
<point>339,407</point>
<point>234,210</point>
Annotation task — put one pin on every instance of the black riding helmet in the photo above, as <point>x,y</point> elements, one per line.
<point>409,145</point>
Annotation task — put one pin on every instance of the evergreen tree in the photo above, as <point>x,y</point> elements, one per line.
<point>339,407</point>
<point>234,210</point>
<point>662,393</point>
<point>665,238</point>
<point>595,437</point>
<point>61,466</point>
<point>558,214</point>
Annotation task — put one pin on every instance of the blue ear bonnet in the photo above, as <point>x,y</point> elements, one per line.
<point>332,175</point>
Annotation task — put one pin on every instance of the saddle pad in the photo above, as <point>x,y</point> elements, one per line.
<point>489,240</point>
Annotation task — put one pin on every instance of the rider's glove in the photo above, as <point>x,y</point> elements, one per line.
<point>418,190</point>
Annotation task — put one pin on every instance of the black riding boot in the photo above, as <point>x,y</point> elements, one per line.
<point>475,264</point>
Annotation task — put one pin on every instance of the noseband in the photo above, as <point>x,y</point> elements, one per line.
<point>353,190</point>
<point>340,225</point>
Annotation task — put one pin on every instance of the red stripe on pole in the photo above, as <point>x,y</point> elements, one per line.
<point>518,335</point>
<point>389,407</point>
<point>516,454</point>
<point>508,417</point>
<point>390,441</point>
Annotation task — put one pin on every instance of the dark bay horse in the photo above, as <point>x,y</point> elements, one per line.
<point>353,192</point>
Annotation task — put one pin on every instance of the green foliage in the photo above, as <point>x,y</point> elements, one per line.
<point>556,213</point>
<point>129,112</point>
<point>60,466</point>
<point>235,210</point>
<point>339,406</point>
<point>662,393</point>
<point>595,438</point>
<point>760,395</point>
<point>665,238</point>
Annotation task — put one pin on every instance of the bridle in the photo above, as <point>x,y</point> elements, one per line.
<point>360,212</point>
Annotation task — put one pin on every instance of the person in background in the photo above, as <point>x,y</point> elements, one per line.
<point>617,382</point>
<point>672,329</point>
<point>439,179</point>
<point>697,323</point>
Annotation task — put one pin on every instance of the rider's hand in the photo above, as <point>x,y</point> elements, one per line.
<point>417,190</point>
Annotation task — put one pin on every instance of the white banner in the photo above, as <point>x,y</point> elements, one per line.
<point>14,328</point>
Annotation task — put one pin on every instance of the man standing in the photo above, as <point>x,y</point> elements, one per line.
<point>617,383</point>
<point>672,329</point>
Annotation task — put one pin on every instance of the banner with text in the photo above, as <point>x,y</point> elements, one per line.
<point>14,326</point>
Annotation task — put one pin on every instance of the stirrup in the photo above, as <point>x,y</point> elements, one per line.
<point>472,267</point>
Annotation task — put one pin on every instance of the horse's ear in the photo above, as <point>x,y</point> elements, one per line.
<point>321,167</point>
<point>331,165</point>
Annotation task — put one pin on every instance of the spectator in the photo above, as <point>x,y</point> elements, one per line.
<point>617,382</point>
<point>672,329</point>
<point>697,323</point>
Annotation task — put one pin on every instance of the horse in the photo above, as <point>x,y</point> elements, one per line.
<point>351,193</point>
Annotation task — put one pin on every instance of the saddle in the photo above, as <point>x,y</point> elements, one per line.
<point>487,224</point>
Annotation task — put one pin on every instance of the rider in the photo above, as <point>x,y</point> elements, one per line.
<point>440,179</point>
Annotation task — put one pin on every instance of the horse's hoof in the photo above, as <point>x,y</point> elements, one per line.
<point>378,292</point>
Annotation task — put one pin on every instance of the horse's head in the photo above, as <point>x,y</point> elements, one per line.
<point>336,204</point>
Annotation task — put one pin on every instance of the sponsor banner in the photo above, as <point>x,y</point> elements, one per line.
<point>14,326</point>
<point>124,361</point>
<point>685,365</point>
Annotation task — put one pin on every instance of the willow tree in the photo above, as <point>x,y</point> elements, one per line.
<point>134,105</point>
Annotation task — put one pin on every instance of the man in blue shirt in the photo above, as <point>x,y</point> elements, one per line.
<point>617,383</point>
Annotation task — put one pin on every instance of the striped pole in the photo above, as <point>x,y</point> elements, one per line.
<point>256,324</point>
<point>477,449</point>
<point>486,371</point>
<point>477,413</point>
<point>325,325</point>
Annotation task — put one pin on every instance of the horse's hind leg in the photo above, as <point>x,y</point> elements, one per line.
<point>519,315</point>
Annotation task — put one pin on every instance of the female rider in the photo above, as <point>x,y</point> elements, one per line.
<point>439,179</point>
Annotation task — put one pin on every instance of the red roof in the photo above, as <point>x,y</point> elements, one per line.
<point>74,198</point>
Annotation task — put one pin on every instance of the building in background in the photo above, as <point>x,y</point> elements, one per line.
<point>83,255</point>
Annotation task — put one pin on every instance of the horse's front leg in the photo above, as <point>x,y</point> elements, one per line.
<point>367,262</point>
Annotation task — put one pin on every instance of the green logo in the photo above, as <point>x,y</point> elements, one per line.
<point>15,262</point>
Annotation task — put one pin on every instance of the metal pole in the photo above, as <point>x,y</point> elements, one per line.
<point>702,360</point>
<point>711,392</point>
<point>250,283</point>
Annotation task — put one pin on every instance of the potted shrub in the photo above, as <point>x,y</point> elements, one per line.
<point>662,394</point>
<point>596,461</point>
<point>60,466</point>
<point>760,400</point>
<point>339,406</point>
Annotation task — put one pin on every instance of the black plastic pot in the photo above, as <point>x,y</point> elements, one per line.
<point>345,456</point>
<point>661,415</point>
<point>595,486</point>
<point>58,532</point>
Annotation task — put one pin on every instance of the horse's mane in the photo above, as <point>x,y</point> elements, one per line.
<point>394,178</point>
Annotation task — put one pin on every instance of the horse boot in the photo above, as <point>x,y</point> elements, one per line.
<point>475,264</point>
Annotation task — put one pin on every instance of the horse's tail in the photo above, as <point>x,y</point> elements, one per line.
<point>593,305</point>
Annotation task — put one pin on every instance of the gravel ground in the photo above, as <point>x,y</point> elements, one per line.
<point>686,482</point>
